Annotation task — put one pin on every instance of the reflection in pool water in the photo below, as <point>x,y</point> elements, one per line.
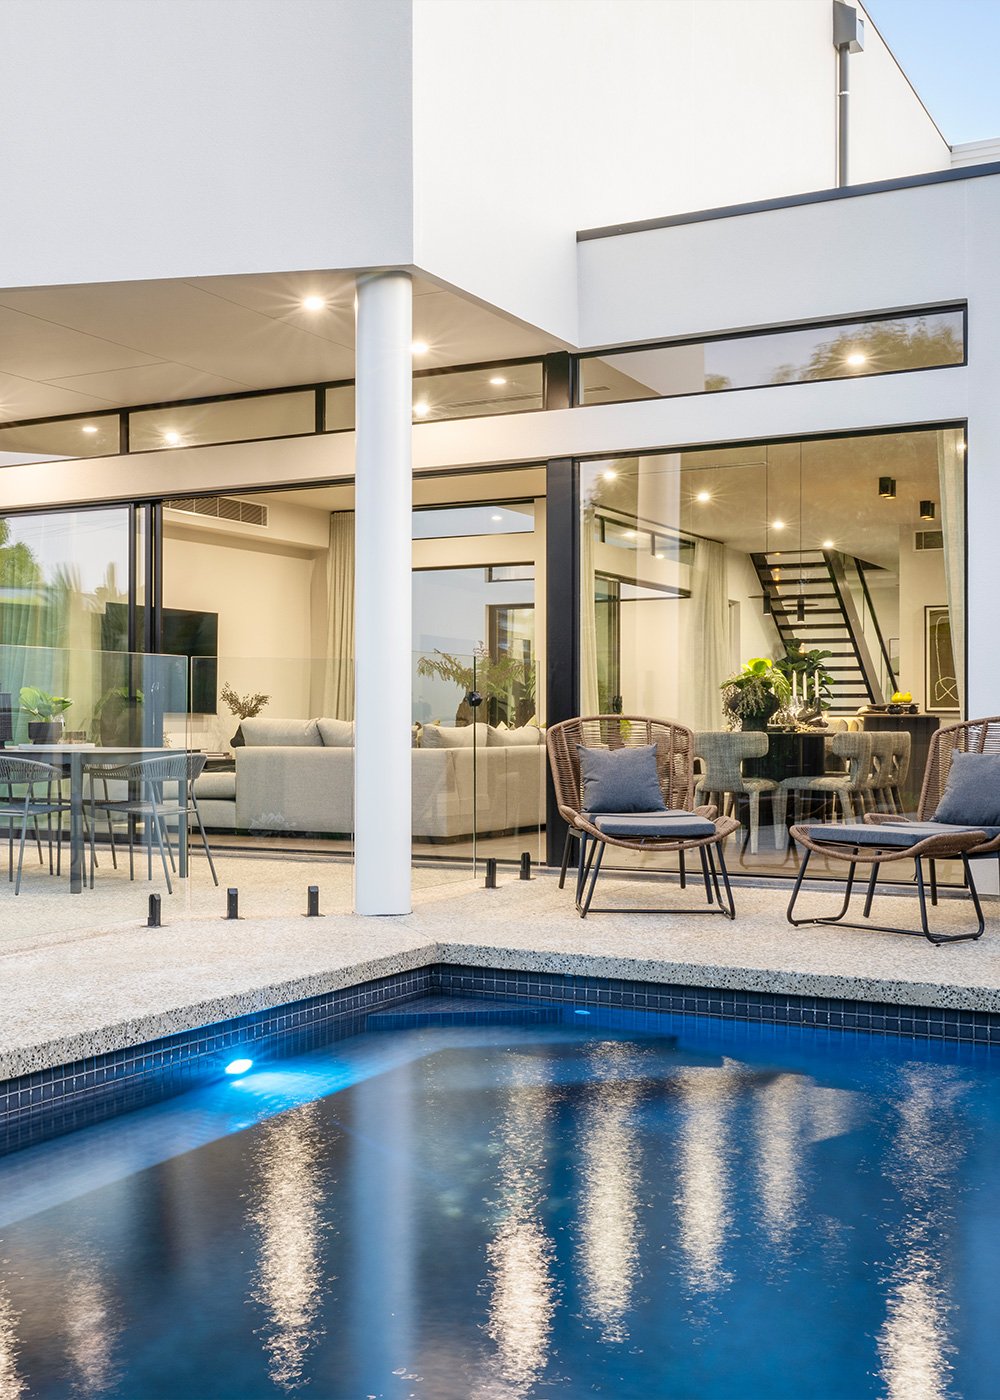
<point>509,1213</point>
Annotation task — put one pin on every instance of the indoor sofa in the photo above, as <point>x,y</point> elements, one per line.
<point>298,776</point>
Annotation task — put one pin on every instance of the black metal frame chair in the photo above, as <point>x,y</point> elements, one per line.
<point>680,827</point>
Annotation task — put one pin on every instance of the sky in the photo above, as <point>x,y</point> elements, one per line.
<point>949,51</point>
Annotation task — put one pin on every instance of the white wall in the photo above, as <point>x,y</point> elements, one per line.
<point>264,595</point>
<point>921,584</point>
<point>534,120</point>
<point>887,120</point>
<point>172,138</point>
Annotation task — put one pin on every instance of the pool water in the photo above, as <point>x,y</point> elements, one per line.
<point>620,1205</point>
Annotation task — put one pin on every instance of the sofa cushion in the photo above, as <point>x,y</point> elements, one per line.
<point>972,792</point>
<point>620,780</point>
<point>336,733</point>
<point>284,733</point>
<point>440,736</point>
<point>527,735</point>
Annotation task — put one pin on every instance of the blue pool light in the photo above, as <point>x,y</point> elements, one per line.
<point>239,1066</point>
<point>578,1012</point>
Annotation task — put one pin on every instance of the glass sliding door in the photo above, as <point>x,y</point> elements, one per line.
<point>65,578</point>
<point>838,564</point>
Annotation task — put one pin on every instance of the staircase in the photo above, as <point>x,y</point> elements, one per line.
<point>831,620</point>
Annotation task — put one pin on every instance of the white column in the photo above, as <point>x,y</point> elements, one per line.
<point>382,626</point>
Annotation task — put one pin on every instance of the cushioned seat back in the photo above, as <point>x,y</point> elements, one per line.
<point>722,754</point>
<point>674,744</point>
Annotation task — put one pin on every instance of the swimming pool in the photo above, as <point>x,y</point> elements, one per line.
<point>620,1204</point>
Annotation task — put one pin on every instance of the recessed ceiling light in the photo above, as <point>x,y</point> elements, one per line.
<point>171,437</point>
<point>828,544</point>
<point>496,517</point>
<point>88,428</point>
<point>857,358</point>
<point>704,497</point>
<point>657,556</point>
<point>777,524</point>
<point>421,408</point>
<point>314,303</point>
<point>610,475</point>
<point>498,380</point>
<point>630,534</point>
<point>420,347</point>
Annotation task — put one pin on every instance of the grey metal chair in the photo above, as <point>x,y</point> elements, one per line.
<point>146,799</point>
<point>723,781</point>
<point>29,774</point>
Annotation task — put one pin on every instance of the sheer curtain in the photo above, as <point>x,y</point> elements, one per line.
<point>338,689</point>
<point>705,639</point>
<point>589,698</point>
<point>951,476</point>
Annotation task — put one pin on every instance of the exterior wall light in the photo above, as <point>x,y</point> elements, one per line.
<point>927,510</point>
<point>887,488</point>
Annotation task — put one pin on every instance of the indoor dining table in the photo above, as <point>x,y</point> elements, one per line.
<point>74,759</point>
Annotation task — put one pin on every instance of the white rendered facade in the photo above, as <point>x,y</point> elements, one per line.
<point>467,144</point>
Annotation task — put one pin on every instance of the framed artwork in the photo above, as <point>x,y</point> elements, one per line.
<point>940,671</point>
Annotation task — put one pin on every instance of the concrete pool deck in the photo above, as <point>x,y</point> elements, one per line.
<point>84,975</point>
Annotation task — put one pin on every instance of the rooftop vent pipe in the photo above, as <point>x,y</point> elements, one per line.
<point>848,38</point>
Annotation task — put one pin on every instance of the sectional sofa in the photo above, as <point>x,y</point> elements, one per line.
<point>298,776</point>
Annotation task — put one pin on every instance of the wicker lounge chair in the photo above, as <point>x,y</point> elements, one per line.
<point>678,828</point>
<point>884,837</point>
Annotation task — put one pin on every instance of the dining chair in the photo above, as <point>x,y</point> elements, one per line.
<point>846,788</point>
<point>29,774</point>
<point>145,798</point>
<point>723,782</point>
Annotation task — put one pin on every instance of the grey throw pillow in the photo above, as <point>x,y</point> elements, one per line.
<point>972,792</point>
<point>620,780</point>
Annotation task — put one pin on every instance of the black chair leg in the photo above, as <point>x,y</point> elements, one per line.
<point>729,908</point>
<point>592,885</point>
<point>872,880</point>
<point>707,873</point>
<point>934,895</point>
<point>683,869</point>
<point>565,860</point>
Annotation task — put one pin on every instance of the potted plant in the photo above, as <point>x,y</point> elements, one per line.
<point>243,707</point>
<point>46,726</point>
<point>755,693</point>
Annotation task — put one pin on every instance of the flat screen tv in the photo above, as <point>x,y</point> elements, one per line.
<point>195,634</point>
<point>184,633</point>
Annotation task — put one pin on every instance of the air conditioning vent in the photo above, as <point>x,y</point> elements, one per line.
<point>221,508</point>
<point>928,539</point>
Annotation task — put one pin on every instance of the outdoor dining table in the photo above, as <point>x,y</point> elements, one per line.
<point>74,758</point>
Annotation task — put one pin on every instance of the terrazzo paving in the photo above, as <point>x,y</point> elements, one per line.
<point>83,974</point>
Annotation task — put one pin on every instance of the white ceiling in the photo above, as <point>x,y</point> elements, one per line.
<point>76,349</point>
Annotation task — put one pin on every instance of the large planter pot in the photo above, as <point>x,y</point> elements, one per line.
<point>759,719</point>
<point>45,731</point>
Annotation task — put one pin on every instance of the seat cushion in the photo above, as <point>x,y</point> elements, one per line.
<point>901,834</point>
<point>678,826</point>
<point>620,780</point>
<point>219,786</point>
<point>972,792</point>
